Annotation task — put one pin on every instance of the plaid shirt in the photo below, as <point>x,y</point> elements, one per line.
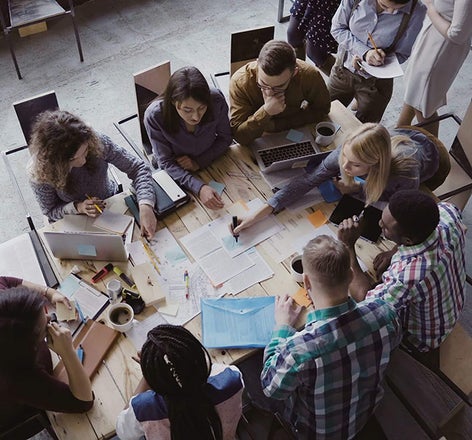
<point>426,282</point>
<point>330,372</point>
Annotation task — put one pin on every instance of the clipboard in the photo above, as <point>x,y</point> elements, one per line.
<point>238,322</point>
<point>96,340</point>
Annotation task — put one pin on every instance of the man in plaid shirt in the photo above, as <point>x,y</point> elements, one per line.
<point>425,279</point>
<point>330,373</point>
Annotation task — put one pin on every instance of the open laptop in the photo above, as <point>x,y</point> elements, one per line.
<point>276,151</point>
<point>86,246</point>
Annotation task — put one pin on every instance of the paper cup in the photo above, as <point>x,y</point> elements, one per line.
<point>296,269</point>
<point>114,290</point>
<point>121,316</point>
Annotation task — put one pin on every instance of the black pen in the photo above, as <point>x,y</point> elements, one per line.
<point>235,224</point>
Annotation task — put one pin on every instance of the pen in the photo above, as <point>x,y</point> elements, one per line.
<point>124,277</point>
<point>101,273</point>
<point>96,206</point>
<point>81,314</point>
<point>235,224</point>
<point>358,218</point>
<point>373,42</point>
<point>187,284</point>
<point>80,353</point>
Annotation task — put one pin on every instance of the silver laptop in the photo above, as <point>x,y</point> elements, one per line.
<point>86,246</point>
<point>276,152</point>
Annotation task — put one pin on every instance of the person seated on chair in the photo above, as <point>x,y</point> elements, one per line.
<point>182,394</point>
<point>188,130</point>
<point>386,162</point>
<point>26,373</point>
<point>275,93</point>
<point>307,368</point>
<point>69,169</point>
<point>424,276</point>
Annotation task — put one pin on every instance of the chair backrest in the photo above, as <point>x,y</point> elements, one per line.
<point>28,109</point>
<point>246,45</point>
<point>149,84</point>
<point>461,149</point>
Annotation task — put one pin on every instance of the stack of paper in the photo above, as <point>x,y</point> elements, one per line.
<point>113,222</point>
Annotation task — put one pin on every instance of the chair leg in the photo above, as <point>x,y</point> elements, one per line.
<point>77,38</point>
<point>12,52</point>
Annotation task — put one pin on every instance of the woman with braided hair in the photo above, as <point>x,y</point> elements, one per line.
<point>182,395</point>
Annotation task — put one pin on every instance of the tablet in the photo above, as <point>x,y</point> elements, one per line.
<point>349,206</point>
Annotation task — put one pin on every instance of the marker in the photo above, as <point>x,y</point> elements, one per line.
<point>358,218</point>
<point>81,314</point>
<point>187,284</point>
<point>124,277</point>
<point>96,206</point>
<point>80,353</point>
<point>100,274</point>
<point>235,224</point>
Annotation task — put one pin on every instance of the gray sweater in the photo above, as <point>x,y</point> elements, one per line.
<point>55,203</point>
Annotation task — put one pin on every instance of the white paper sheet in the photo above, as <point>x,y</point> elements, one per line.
<point>138,333</point>
<point>390,69</point>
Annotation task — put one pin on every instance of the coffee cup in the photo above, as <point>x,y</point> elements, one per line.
<point>296,269</point>
<point>325,132</point>
<point>121,316</point>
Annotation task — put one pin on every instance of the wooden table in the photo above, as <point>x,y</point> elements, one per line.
<point>116,380</point>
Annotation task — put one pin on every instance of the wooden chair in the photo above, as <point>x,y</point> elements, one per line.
<point>28,12</point>
<point>29,427</point>
<point>245,47</point>
<point>149,84</point>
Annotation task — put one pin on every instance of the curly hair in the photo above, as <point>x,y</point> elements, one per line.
<point>56,137</point>
<point>177,366</point>
<point>371,144</point>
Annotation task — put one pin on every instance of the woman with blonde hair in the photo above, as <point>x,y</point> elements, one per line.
<point>373,164</point>
<point>69,169</point>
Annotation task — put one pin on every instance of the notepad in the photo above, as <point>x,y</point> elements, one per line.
<point>113,222</point>
<point>238,322</point>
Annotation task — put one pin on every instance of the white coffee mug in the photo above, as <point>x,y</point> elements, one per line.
<point>325,133</point>
<point>296,269</point>
<point>121,316</point>
<point>114,290</point>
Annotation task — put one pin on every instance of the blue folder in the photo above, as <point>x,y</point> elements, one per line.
<point>238,322</point>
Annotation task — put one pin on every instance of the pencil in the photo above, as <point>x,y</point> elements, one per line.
<point>151,256</point>
<point>96,206</point>
<point>373,42</point>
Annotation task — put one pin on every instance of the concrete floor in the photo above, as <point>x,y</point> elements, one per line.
<point>120,37</point>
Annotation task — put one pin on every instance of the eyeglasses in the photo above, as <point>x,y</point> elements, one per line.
<point>278,89</point>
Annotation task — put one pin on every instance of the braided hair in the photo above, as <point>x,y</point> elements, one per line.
<point>177,366</point>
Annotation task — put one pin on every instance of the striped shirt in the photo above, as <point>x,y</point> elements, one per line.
<point>330,373</point>
<point>426,282</point>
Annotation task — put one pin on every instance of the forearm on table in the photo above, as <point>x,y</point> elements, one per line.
<point>247,125</point>
<point>360,283</point>
<point>79,382</point>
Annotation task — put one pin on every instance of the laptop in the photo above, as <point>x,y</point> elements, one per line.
<point>86,246</point>
<point>276,151</point>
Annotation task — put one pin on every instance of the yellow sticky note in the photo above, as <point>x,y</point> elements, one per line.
<point>317,218</point>
<point>301,298</point>
<point>65,314</point>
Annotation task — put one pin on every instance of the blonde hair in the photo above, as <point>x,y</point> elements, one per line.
<point>56,137</point>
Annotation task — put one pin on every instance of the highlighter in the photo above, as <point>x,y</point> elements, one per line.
<point>124,277</point>
<point>101,273</point>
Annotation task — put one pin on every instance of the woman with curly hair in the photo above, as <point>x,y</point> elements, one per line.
<point>372,163</point>
<point>182,394</point>
<point>69,162</point>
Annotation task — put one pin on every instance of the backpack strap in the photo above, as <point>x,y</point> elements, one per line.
<point>402,27</point>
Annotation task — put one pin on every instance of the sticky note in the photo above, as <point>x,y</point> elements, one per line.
<point>88,250</point>
<point>329,191</point>
<point>217,186</point>
<point>169,309</point>
<point>301,298</point>
<point>317,218</point>
<point>65,314</point>
<point>295,135</point>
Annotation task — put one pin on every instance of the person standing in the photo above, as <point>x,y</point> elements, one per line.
<point>438,54</point>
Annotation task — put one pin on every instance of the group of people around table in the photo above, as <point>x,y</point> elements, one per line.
<point>329,374</point>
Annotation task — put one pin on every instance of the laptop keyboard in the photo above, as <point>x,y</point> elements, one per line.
<point>286,152</point>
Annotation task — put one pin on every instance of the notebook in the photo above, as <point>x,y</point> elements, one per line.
<point>279,151</point>
<point>349,206</point>
<point>86,246</point>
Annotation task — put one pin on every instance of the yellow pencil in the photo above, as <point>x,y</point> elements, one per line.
<point>151,256</point>
<point>96,206</point>
<point>373,42</point>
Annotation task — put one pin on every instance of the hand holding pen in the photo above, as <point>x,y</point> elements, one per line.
<point>91,206</point>
<point>375,56</point>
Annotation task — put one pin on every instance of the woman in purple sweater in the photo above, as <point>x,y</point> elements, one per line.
<point>26,380</point>
<point>188,130</point>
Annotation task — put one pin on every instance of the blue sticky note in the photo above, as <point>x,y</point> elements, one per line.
<point>295,135</point>
<point>87,250</point>
<point>359,180</point>
<point>329,191</point>
<point>217,186</point>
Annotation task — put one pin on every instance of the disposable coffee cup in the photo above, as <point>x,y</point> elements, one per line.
<point>296,269</point>
<point>325,133</point>
<point>114,290</point>
<point>121,316</point>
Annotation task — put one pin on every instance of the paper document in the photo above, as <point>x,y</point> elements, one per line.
<point>138,333</point>
<point>238,322</point>
<point>113,222</point>
<point>390,69</point>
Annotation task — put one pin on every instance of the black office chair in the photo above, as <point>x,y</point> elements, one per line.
<point>26,12</point>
